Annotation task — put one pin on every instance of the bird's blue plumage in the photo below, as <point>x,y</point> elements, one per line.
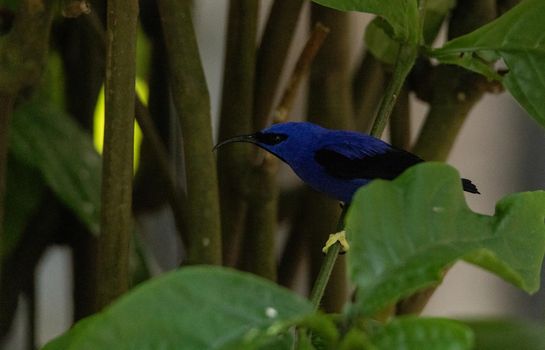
<point>334,162</point>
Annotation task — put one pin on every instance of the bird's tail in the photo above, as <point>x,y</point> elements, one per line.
<point>470,186</point>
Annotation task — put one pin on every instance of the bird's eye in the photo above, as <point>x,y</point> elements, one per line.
<point>270,138</point>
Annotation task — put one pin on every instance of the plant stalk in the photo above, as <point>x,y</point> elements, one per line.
<point>329,105</point>
<point>237,104</point>
<point>318,35</point>
<point>367,85</point>
<point>261,222</point>
<point>271,56</point>
<point>323,276</point>
<point>160,154</point>
<point>400,121</point>
<point>153,137</point>
<point>405,60</point>
<point>259,247</point>
<point>327,266</point>
<point>6,108</point>
<point>192,104</point>
<point>117,171</point>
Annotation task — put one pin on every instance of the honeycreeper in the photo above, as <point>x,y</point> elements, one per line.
<point>334,162</point>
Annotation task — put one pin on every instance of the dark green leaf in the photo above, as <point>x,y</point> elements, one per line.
<point>192,308</point>
<point>404,233</point>
<point>402,15</point>
<point>48,140</point>
<point>517,38</point>
<point>508,334</point>
<point>423,333</point>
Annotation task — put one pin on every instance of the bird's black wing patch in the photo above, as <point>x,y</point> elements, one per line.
<point>470,186</point>
<point>387,165</point>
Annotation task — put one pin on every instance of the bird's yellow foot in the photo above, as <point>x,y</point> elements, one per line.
<point>334,238</point>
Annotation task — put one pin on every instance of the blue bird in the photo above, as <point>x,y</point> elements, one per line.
<point>334,162</point>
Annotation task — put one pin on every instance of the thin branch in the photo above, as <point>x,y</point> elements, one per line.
<point>83,58</point>
<point>400,121</point>
<point>271,56</point>
<point>330,105</point>
<point>406,57</point>
<point>457,93</point>
<point>302,66</point>
<point>236,119</point>
<point>286,103</point>
<point>327,266</point>
<point>177,202</point>
<point>30,292</point>
<point>6,109</point>
<point>259,250</point>
<point>263,192</point>
<point>191,100</point>
<point>157,147</point>
<point>367,86</point>
<point>323,276</point>
<point>117,170</point>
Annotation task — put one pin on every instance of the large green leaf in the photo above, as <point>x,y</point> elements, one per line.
<point>508,334</point>
<point>404,233</point>
<point>518,37</point>
<point>192,308</point>
<point>401,15</point>
<point>48,140</point>
<point>423,333</point>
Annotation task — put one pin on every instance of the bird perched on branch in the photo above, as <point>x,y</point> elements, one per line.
<point>334,162</point>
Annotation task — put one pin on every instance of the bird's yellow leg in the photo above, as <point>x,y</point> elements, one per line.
<point>334,238</point>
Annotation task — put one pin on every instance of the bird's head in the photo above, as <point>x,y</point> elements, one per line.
<point>285,140</point>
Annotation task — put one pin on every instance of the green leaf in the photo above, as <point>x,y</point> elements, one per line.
<point>324,332</point>
<point>517,38</point>
<point>417,333</point>
<point>404,233</point>
<point>356,339</point>
<point>51,142</point>
<point>508,334</point>
<point>379,38</point>
<point>315,331</point>
<point>380,43</point>
<point>434,15</point>
<point>24,190</point>
<point>401,15</point>
<point>193,308</point>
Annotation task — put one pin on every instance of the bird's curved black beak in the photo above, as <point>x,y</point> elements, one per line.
<point>242,138</point>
